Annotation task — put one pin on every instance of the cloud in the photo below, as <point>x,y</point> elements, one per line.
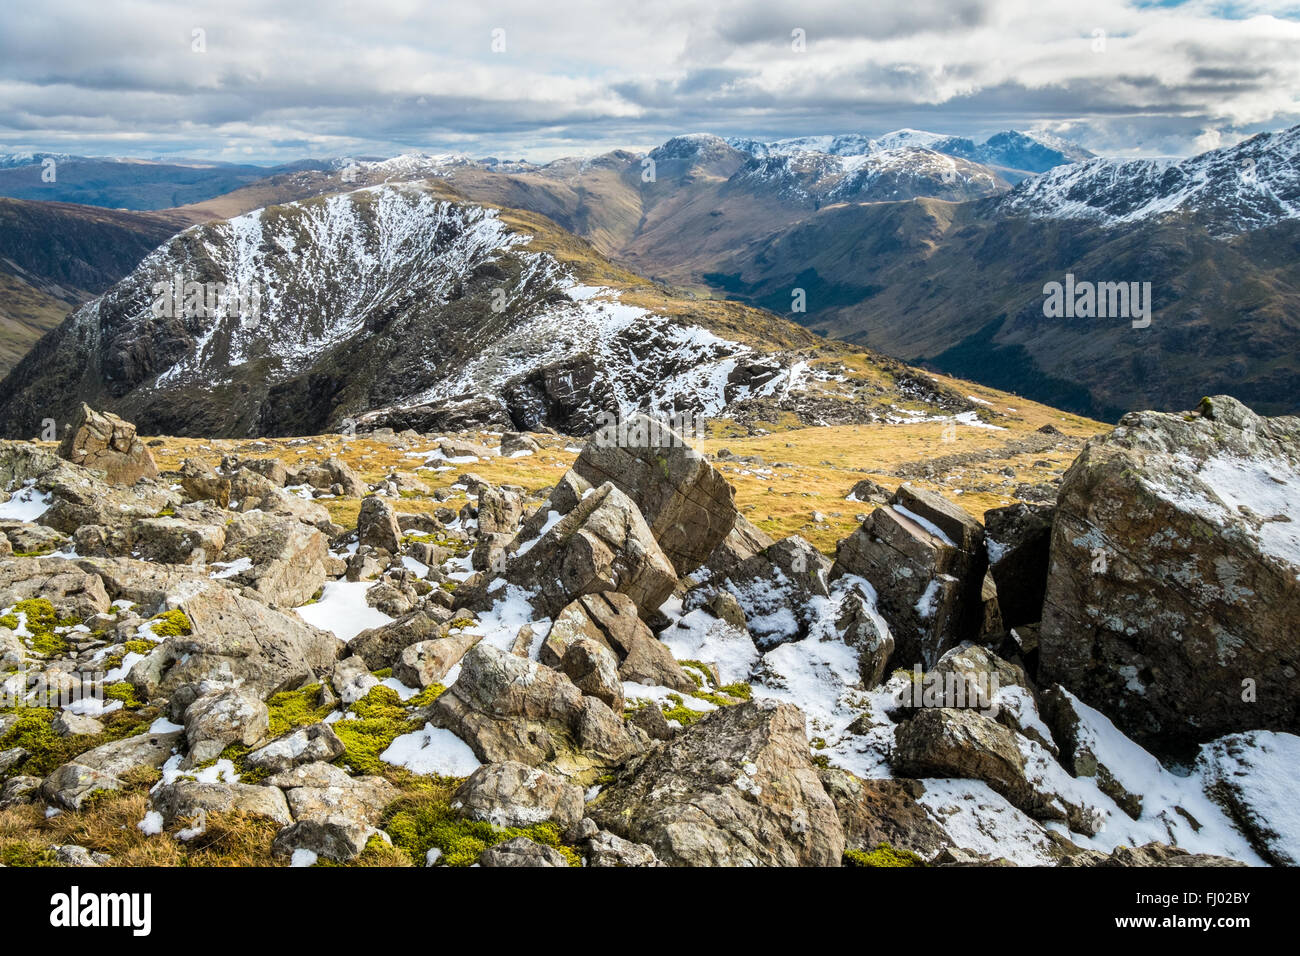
<point>277,80</point>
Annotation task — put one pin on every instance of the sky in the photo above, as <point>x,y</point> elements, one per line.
<point>267,81</point>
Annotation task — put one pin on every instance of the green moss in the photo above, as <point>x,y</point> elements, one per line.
<point>383,673</point>
<point>168,512</point>
<point>380,719</point>
<point>171,624</point>
<point>426,697</point>
<point>680,712</point>
<point>125,692</point>
<point>295,708</point>
<point>47,750</point>
<point>739,689</point>
<point>419,825</point>
<point>883,855</point>
<point>22,854</point>
<point>40,620</point>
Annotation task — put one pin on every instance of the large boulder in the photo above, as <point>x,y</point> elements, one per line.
<point>926,559</point>
<point>105,442</point>
<point>377,525</point>
<point>689,506</point>
<point>875,812</point>
<point>1174,585</point>
<point>427,662</point>
<point>738,788</point>
<point>235,637</point>
<point>610,618</point>
<point>510,708</point>
<point>279,557</point>
<point>602,544</point>
<point>190,801</point>
<point>951,742</point>
<point>512,794</point>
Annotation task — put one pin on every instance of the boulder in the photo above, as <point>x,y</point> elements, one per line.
<point>215,722</point>
<point>737,788</point>
<point>1174,584</point>
<point>70,785</point>
<point>202,483</point>
<point>949,742</point>
<point>174,540</point>
<point>238,638</point>
<point>382,646</point>
<point>1147,855</point>
<point>277,556</point>
<point>334,471</point>
<point>184,800</point>
<point>512,794</point>
<point>521,851</point>
<point>510,708</point>
<point>610,618</point>
<point>1252,776</point>
<point>499,512</point>
<point>689,506</point>
<point>606,849</point>
<point>427,662</point>
<point>316,742</point>
<point>925,557</point>
<point>593,668</point>
<point>377,525</point>
<point>603,544</point>
<point>118,757</point>
<point>102,441</point>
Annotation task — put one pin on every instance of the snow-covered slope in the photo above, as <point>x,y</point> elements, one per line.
<point>1232,190</point>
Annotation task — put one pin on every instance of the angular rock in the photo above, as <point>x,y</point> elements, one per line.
<point>285,558</point>
<point>382,647</point>
<point>593,668</point>
<point>1175,575</point>
<point>925,558</point>
<point>105,442</point>
<point>610,618</point>
<point>377,525</point>
<point>202,483</point>
<point>689,506</point>
<point>427,662</point>
<point>316,742</point>
<point>215,722</point>
<point>184,800</point>
<point>873,812</point>
<point>606,849</point>
<point>510,708</point>
<point>603,544</point>
<point>511,794</point>
<point>70,785</point>
<point>777,589</point>
<point>737,788</point>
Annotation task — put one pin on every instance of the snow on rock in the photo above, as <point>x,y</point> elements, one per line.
<point>342,610</point>
<point>432,750</point>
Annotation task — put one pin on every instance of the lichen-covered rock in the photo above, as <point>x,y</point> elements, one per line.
<point>70,785</point>
<point>235,637</point>
<point>1150,854</point>
<point>593,668</point>
<point>427,662</point>
<point>737,788</point>
<point>382,646</point>
<point>1175,575</point>
<point>611,619</point>
<point>315,742</point>
<point>948,742</point>
<point>183,800</point>
<point>688,505</point>
<point>521,851</point>
<point>509,708</point>
<point>511,794</point>
<point>606,849</point>
<point>377,525</point>
<point>280,557</point>
<point>201,482</point>
<point>215,722</point>
<point>105,442</point>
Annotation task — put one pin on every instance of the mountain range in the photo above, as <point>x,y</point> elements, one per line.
<point>933,249</point>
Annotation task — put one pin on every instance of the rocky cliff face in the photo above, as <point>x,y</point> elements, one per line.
<point>392,303</point>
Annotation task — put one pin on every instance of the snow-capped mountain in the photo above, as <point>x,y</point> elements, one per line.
<point>1027,152</point>
<point>1232,190</point>
<point>395,299</point>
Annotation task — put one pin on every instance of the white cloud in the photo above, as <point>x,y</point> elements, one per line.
<point>285,79</point>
